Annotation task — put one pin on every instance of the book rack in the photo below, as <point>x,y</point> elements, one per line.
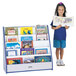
<point>27,48</point>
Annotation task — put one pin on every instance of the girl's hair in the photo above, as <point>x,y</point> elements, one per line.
<point>56,11</point>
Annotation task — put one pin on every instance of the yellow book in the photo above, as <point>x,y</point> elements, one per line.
<point>26,30</point>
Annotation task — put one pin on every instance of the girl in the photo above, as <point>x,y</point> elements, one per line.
<point>60,34</point>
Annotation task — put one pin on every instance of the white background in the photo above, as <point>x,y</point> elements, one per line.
<point>32,12</point>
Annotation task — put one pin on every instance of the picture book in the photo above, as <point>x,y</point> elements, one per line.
<point>11,52</point>
<point>11,61</point>
<point>41,36</point>
<point>26,44</point>
<point>11,31</point>
<point>26,30</point>
<point>62,21</point>
<point>42,58</point>
<point>28,60</point>
<point>12,39</point>
<point>15,45</point>
<point>41,29</point>
<point>26,38</point>
<point>41,51</point>
<point>27,51</point>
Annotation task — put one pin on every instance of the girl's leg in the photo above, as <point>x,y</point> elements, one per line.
<point>61,56</point>
<point>57,56</point>
<point>61,53</point>
<point>57,53</point>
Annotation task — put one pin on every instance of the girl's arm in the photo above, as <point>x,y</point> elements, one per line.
<point>66,26</point>
<point>57,27</point>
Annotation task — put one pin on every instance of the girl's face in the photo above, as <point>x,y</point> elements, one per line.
<point>60,10</point>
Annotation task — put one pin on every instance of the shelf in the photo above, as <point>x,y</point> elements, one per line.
<point>28,55</point>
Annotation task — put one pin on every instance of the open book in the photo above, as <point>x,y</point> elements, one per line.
<point>62,21</point>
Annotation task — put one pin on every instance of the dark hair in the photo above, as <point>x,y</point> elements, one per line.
<point>56,11</point>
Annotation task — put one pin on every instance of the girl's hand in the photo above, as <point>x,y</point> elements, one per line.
<point>66,26</point>
<point>59,26</point>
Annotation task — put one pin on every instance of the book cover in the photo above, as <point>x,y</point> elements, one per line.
<point>28,60</point>
<point>11,31</point>
<point>26,38</point>
<point>13,45</point>
<point>41,51</point>
<point>26,51</point>
<point>62,21</point>
<point>12,39</point>
<point>41,29</point>
<point>11,52</point>
<point>26,30</point>
<point>41,37</point>
<point>26,44</point>
<point>11,61</point>
<point>42,58</point>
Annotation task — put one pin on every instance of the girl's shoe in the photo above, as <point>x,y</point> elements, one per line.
<point>58,62</point>
<point>62,63</point>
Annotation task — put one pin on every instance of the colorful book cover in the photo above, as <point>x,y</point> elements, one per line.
<point>13,45</point>
<point>26,30</point>
<point>41,51</point>
<point>11,61</point>
<point>11,31</point>
<point>11,53</point>
<point>62,21</point>
<point>28,60</point>
<point>42,58</point>
<point>41,29</point>
<point>41,37</point>
<point>12,39</point>
<point>26,51</point>
<point>26,44</point>
<point>26,38</point>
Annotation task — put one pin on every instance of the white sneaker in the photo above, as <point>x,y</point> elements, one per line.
<point>58,62</point>
<point>62,63</point>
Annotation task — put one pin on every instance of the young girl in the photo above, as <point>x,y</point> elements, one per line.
<point>60,34</point>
